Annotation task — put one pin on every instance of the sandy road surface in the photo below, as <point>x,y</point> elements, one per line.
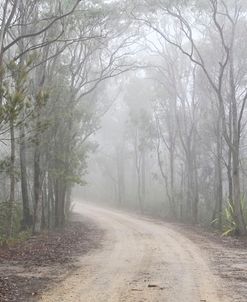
<point>140,260</point>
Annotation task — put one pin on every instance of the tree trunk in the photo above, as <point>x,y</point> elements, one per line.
<point>143,175</point>
<point>36,186</point>
<point>190,195</point>
<point>60,203</point>
<point>217,215</point>
<point>120,175</point>
<point>195,192</point>
<point>229,176</point>
<point>12,176</point>
<point>236,134</point>
<point>237,194</point>
<point>27,219</point>
<point>172,193</point>
<point>138,172</point>
<point>51,203</point>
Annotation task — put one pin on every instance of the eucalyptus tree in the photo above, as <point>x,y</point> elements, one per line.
<point>139,132</point>
<point>26,26</point>
<point>45,44</point>
<point>91,63</point>
<point>223,20</point>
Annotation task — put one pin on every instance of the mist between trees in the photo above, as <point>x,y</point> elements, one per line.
<point>141,102</point>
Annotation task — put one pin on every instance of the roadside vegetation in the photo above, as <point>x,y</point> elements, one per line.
<point>54,59</point>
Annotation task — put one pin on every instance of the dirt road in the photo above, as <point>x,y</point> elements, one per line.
<point>140,260</point>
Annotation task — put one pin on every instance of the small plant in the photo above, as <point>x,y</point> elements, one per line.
<point>229,225</point>
<point>18,238</point>
<point>9,229</point>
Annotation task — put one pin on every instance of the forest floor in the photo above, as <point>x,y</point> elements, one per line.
<point>28,268</point>
<point>143,259</point>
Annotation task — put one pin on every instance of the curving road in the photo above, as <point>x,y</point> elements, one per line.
<point>140,260</point>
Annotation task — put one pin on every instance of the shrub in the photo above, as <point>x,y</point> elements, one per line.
<point>9,227</point>
<point>229,225</point>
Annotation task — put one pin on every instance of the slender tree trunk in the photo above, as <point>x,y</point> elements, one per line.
<point>237,193</point>
<point>182,194</point>
<point>172,187</point>
<point>235,152</point>
<point>56,208</point>
<point>143,175</point>
<point>2,34</point>
<point>27,219</point>
<point>217,215</point>
<point>138,172</point>
<point>139,192</point>
<point>36,186</point>
<point>229,164</point>
<point>229,176</point>
<point>1,76</point>
<point>120,175</point>
<point>190,195</point>
<point>40,80</point>
<point>37,174</point>
<point>12,175</point>
<point>50,203</point>
<point>43,216</point>
<point>60,203</point>
<point>68,200</point>
<point>195,192</point>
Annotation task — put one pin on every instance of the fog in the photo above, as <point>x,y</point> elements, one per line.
<point>139,105</point>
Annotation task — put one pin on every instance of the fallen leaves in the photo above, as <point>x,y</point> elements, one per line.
<point>47,250</point>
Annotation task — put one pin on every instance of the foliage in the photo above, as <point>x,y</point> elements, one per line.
<point>16,239</point>
<point>229,225</point>
<point>16,209</point>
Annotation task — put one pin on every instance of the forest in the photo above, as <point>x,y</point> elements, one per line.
<point>140,104</point>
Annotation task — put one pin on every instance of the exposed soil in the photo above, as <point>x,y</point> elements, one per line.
<point>141,259</point>
<point>125,258</point>
<point>227,258</point>
<point>27,269</point>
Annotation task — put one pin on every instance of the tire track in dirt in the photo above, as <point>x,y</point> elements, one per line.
<point>140,260</point>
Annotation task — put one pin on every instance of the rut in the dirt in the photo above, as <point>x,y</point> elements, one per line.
<point>141,260</point>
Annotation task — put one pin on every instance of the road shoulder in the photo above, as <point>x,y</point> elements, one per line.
<point>226,256</point>
<point>35,265</point>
